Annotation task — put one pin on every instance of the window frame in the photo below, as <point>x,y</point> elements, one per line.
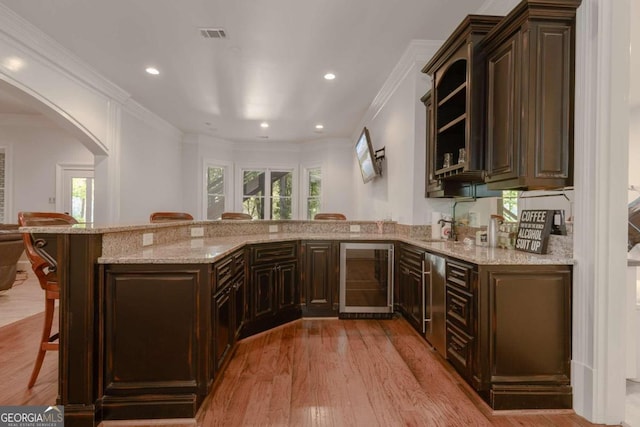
<point>228,168</point>
<point>304,185</point>
<point>267,169</point>
<point>8,185</point>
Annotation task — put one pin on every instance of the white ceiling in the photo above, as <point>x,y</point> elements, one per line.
<point>269,68</point>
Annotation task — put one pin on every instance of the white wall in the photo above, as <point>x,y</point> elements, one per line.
<point>35,147</point>
<point>634,152</point>
<point>150,169</point>
<point>333,155</point>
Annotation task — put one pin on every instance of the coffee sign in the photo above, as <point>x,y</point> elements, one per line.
<point>534,230</point>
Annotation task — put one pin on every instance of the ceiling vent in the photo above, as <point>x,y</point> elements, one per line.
<point>213,33</point>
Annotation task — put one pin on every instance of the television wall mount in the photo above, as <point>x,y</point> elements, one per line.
<point>379,157</point>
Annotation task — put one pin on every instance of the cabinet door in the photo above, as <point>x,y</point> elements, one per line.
<point>223,331</point>
<point>410,294</point>
<point>320,278</point>
<point>239,304</point>
<point>286,280</point>
<point>263,287</point>
<point>503,149</point>
<point>431,183</point>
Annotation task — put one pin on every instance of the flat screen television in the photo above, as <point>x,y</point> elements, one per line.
<point>365,155</point>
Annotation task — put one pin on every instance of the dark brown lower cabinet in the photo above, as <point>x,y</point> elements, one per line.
<point>273,287</point>
<point>319,277</point>
<point>223,328</point>
<point>239,293</point>
<point>156,329</point>
<point>409,285</point>
<point>527,336</point>
<point>509,332</point>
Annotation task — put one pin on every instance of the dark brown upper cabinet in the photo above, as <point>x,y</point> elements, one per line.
<point>530,96</point>
<point>455,123</point>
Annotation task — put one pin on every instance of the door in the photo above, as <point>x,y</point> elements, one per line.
<point>75,191</point>
<point>433,298</point>
<point>263,280</point>
<point>223,331</point>
<point>320,278</point>
<point>286,273</point>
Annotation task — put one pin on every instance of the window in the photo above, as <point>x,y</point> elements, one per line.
<point>262,188</point>
<point>3,180</point>
<point>510,205</point>
<point>75,191</point>
<point>314,187</point>
<point>82,191</point>
<point>215,192</point>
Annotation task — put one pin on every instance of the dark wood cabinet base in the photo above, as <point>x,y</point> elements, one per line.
<point>530,397</point>
<point>149,407</point>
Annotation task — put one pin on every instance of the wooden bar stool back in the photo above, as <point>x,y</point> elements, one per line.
<point>235,215</point>
<point>170,216</point>
<point>44,267</point>
<point>330,215</point>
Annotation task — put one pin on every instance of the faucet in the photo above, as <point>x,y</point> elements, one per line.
<point>452,235</point>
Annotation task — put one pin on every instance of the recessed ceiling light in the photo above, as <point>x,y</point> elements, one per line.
<point>329,76</point>
<point>264,125</point>
<point>319,127</point>
<point>152,70</point>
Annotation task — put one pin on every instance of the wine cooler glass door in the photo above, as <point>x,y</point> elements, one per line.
<point>366,278</point>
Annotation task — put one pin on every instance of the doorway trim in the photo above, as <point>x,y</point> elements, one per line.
<point>61,168</point>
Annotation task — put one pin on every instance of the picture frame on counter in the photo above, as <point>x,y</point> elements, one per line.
<point>533,230</point>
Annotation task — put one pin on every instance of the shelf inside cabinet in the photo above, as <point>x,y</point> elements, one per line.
<point>452,123</point>
<point>456,91</point>
<point>450,171</point>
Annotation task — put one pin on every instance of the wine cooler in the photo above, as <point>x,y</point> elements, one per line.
<point>366,280</point>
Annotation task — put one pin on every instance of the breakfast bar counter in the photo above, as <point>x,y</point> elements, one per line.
<point>149,314</point>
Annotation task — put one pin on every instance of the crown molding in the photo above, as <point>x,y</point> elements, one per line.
<point>30,39</point>
<point>418,52</point>
<point>146,116</point>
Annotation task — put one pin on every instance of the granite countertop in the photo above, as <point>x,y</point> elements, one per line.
<point>206,250</point>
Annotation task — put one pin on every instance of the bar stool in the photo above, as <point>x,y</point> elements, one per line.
<point>235,215</point>
<point>170,216</point>
<point>44,266</point>
<point>330,215</point>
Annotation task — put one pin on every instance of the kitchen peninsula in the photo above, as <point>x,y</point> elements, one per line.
<point>147,329</point>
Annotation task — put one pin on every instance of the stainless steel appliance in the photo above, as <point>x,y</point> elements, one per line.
<point>366,280</point>
<point>433,301</point>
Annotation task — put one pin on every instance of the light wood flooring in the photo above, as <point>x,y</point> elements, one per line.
<point>311,372</point>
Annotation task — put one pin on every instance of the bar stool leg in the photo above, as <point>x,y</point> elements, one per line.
<point>49,306</point>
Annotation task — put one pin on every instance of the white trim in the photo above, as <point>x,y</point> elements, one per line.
<point>60,115</point>
<point>9,216</point>
<point>414,57</point>
<point>601,133</point>
<point>295,194</point>
<point>146,116</point>
<point>43,47</point>
<point>60,169</point>
<point>229,177</point>
<point>304,187</point>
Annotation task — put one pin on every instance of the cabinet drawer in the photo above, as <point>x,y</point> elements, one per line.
<point>459,274</point>
<point>459,350</point>
<point>270,253</point>
<point>223,272</point>
<point>459,309</point>
<point>411,256</point>
<point>239,261</point>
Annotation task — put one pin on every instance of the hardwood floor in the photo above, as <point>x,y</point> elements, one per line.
<point>311,372</point>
